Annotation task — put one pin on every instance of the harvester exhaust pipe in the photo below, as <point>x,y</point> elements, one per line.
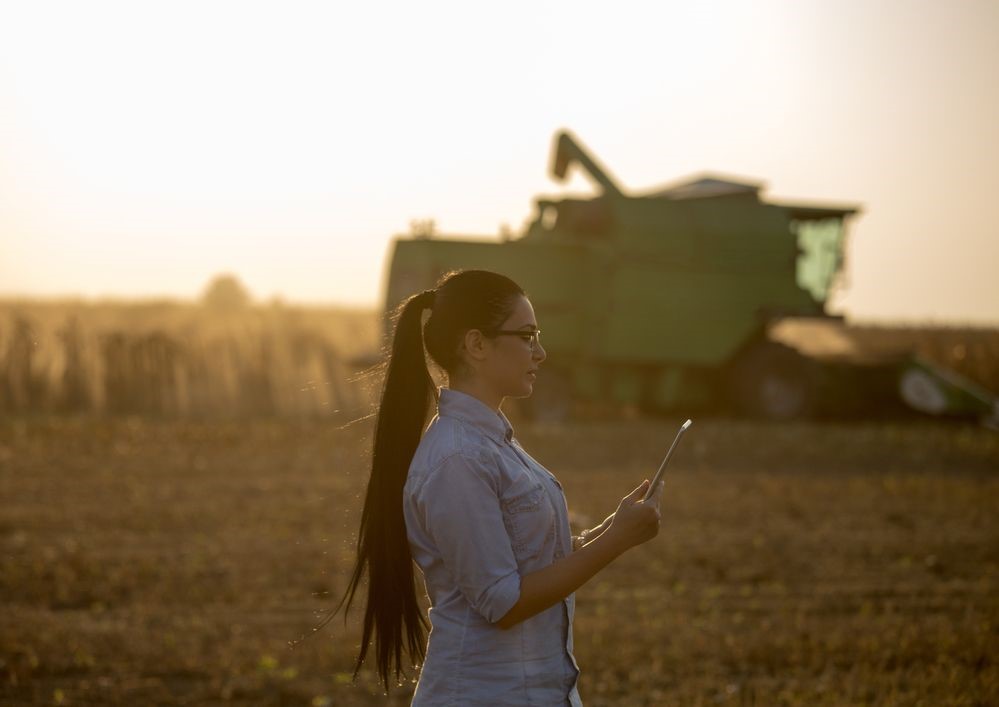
<point>568,149</point>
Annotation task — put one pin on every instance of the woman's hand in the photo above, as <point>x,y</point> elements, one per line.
<point>635,521</point>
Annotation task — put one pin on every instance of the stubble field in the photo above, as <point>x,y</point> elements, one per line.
<point>171,562</point>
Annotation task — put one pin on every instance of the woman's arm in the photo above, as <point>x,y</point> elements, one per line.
<point>634,522</point>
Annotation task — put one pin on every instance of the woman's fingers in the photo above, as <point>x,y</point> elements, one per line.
<point>638,492</point>
<point>635,520</point>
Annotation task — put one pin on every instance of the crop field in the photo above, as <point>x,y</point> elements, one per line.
<point>182,359</point>
<point>172,562</point>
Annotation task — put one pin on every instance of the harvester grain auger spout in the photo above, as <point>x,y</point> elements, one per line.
<point>568,149</point>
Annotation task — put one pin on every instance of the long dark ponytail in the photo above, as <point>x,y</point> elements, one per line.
<point>463,300</point>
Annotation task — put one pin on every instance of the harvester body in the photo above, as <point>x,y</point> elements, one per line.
<point>662,300</point>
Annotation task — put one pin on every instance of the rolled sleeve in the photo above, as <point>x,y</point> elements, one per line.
<point>461,512</point>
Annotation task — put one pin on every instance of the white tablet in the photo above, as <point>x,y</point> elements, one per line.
<point>662,467</point>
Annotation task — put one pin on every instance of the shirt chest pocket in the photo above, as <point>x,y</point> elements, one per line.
<point>530,521</point>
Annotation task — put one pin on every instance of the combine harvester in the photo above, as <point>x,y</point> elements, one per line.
<point>698,296</point>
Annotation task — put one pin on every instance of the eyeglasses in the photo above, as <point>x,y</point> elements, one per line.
<point>528,337</point>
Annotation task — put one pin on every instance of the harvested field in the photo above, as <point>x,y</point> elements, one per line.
<point>171,562</point>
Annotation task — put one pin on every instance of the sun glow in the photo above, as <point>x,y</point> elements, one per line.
<point>146,147</point>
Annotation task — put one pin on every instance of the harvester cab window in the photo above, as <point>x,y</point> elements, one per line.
<point>821,247</point>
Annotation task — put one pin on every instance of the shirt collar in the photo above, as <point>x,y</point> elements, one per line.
<point>467,408</point>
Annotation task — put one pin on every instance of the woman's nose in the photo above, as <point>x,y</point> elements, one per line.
<point>539,354</point>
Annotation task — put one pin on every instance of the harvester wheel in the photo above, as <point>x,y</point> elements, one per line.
<point>774,381</point>
<point>551,400</point>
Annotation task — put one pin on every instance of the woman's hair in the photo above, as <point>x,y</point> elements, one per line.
<point>462,300</point>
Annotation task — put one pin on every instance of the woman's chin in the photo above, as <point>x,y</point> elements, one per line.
<point>524,392</point>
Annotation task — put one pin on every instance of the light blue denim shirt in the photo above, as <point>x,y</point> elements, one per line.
<point>480,513</point>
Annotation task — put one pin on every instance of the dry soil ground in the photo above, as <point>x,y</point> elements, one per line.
<point>171,563</point>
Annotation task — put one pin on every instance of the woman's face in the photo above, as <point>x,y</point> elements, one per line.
<point>512,364</point>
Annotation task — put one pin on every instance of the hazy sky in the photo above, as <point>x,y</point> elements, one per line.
<point>145,146</point>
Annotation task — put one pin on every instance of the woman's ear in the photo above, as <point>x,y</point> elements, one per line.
<point>476,345</point>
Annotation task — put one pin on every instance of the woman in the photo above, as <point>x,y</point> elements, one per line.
<point>487,525</point>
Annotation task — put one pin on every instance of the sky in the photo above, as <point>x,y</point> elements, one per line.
<point>147,146</point>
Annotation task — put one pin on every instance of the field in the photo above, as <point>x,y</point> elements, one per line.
<point>181,487</point>
<point>207,359</point>
<point>171,562</point>
<point>182,359</point>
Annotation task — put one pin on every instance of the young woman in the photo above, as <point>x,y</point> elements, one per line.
<point>487,525</point>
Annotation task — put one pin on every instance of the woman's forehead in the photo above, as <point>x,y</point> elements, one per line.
<point>522,315</point>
